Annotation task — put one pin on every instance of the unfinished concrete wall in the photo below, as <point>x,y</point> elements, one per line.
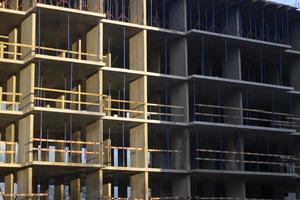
<point>11,86</point>
<point>181,142</point>
<point>28,36</point>
<point>94,185</point>
<point>25,139</point>
<point>181,187</point>
<point>234,70</point>
<point>138,11</point>
<point>180,97</point>
<point>236,189</point>
<point>139,186</point>
<point>234,101</point>
<point>178,57</point>
<point>138,96</point>
<point>138,51</point>
<point>94,133</point>
<point>94,86</point>
<point>233,21</point>
<point>24,182</point>
<point>27,75</point>
<point>177,10</point>
<point>94,43</point>
<point>138,139</point>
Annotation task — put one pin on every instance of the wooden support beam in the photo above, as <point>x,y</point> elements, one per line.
<point>138,93</point>
<point>181,186</point>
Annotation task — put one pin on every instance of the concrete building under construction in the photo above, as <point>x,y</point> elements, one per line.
<point>149,99</point>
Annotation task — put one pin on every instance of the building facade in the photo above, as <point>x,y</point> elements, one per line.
<point>149,99</point>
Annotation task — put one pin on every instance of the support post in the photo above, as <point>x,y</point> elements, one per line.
<point>9,186</point>
<point>10,137</point>
<point>13,39</point>
<point>11,88</point>
<point>138,51</point>
<point>94,184</point>
<point>75,189</point>
<point>94,43</point>
<point>28,36</point>
<point>25,139</point>
<point>94,133</point>
<point>27,76</point>
<point>24,182</point>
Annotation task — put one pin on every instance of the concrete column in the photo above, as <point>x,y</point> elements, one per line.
<point>94,133</point>
<point>293,74</point>
<point>294,34</point>
<point>138,93</point>
<point>107,191</point>
<point>181,187</point>
<point>180,97</point>
<point>138,51</point>
<point>94,43</point>
<point>235,100</point>
<point>154,64</point>
<point>94,85</point>
<point>233,21</point>
<point>236,189</point>
<point>177,10</point>
<point>75,189</point>
<point>27,76</point>
<point>138,140</point>
<point>76,157</point>
<point>178,57</point>
<point>14,4</point>
<point>180,142</point>
<point>10,133</point>
<point>139,186</point>
<point>25,138</point>
<point>234,144</point>
<point>107,152</point>
<point>59,191</point>
<point>28,36</point>
<point>76,97</point>
<point>11,87</point>
<point>13,39</point>
<point>138,12</point>
<point>9,186</point>
<point>24,182</point>
<point>94,183</point>
<point>77,47</point>
<point>234,69</point>
<point>95,6</point>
